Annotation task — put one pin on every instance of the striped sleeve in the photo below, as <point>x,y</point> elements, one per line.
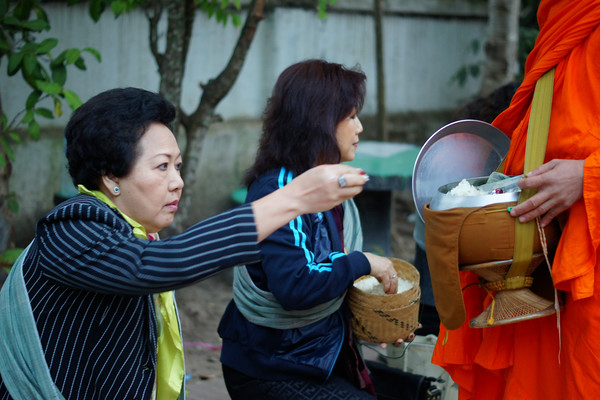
<point>89,246</point>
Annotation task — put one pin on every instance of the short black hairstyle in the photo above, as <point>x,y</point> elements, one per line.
<point>103,133</point>
<point>308,101</point>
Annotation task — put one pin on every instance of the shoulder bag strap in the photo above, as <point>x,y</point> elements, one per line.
<point>537,138</point>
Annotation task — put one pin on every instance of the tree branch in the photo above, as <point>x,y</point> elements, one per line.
<point>216,89</point>
<point>153,13</point>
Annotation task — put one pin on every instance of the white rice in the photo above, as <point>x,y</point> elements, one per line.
<point>464,188</point>
<point>372,285</point>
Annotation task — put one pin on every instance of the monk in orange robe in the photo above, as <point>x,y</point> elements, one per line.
<point>537,359</point>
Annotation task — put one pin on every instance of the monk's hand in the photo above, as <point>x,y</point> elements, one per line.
<point>324,187</point>
<point>559,185</point>
<point>383,269</point>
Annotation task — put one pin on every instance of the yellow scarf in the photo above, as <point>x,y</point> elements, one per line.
<point>170,365</point>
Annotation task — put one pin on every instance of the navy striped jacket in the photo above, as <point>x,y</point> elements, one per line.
<point>90,283</point>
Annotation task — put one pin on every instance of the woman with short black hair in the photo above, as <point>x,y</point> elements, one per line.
<point>88,312</point>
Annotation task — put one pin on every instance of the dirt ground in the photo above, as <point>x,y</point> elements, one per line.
<point>202,305</point>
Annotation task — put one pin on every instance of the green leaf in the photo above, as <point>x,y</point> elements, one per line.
<point>57,107</point>
<point>2,161</point>
<point>28,117</point>
<point>118,7</point>
<point>48,87</point>
<point>3,7</point>
<point>59,60</point>
<point>7,149</point>
<point>96,9</point>
<point>9,257</point>
<point>460,76</point>
<point>13,205</point>
<point>59,74</point>
<point>44,112</point>
<point>14,136</point>
<point>210,10</point>
<point>46,46</point>
<point>80,63</point>
<point>36,25</point>
<point>220,16</point>
<point>72,56</point>
<point>22,9</point>
<point>37,74</point>
<point>4,46</point>
<point>29,47</point>
<point>72,99</point>
<point>14,63</point>
<point>94,52</point>
<point>34,130</point>
<point>30,63</point>
<point>236,20</point>
<point>12,22</point>
<point>40,13</point>
<point>474,70</point>
<point>32,99</point>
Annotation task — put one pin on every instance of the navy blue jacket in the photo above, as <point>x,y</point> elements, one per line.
<point>302,265</point>
<point>90,283</point>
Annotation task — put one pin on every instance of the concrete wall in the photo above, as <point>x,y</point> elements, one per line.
<point>426,42</point>
<point>422,51</point>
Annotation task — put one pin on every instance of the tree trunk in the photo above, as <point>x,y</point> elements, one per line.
<point>5,213</point>
<point>382,132</point>
<point>171,63</point>
<point>502,44</point>
<point>196,125</point>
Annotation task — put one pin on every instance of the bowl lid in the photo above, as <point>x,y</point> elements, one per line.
<point>462,149</point>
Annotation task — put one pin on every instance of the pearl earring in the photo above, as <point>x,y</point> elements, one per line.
<point>116,191</point>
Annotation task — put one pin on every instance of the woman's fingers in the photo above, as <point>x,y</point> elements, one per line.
<point>383,269</point>
<point>324,187</point>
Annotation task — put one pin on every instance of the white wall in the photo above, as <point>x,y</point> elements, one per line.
<point>425,43</point>
<point>422,52</point>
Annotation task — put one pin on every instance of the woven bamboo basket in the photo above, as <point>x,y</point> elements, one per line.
<point>389,317</point>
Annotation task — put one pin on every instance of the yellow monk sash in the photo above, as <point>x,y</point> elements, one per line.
<point>170,367</point>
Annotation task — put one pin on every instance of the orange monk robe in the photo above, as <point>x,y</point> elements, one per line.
<point>520,361</point>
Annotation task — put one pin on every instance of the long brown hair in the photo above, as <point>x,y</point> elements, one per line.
<point>308,101</point>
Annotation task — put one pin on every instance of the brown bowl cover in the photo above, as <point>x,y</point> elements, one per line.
<point>465,236</point>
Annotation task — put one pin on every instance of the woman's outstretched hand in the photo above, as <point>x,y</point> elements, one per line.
<point>324,187</point>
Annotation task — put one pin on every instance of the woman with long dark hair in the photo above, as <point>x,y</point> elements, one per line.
<point>287,333</point>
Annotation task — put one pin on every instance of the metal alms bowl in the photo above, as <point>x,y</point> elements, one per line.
<point>444,201</point>
<point>461,149</point>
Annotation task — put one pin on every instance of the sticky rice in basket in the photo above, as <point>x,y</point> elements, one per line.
<point>384,318</point>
